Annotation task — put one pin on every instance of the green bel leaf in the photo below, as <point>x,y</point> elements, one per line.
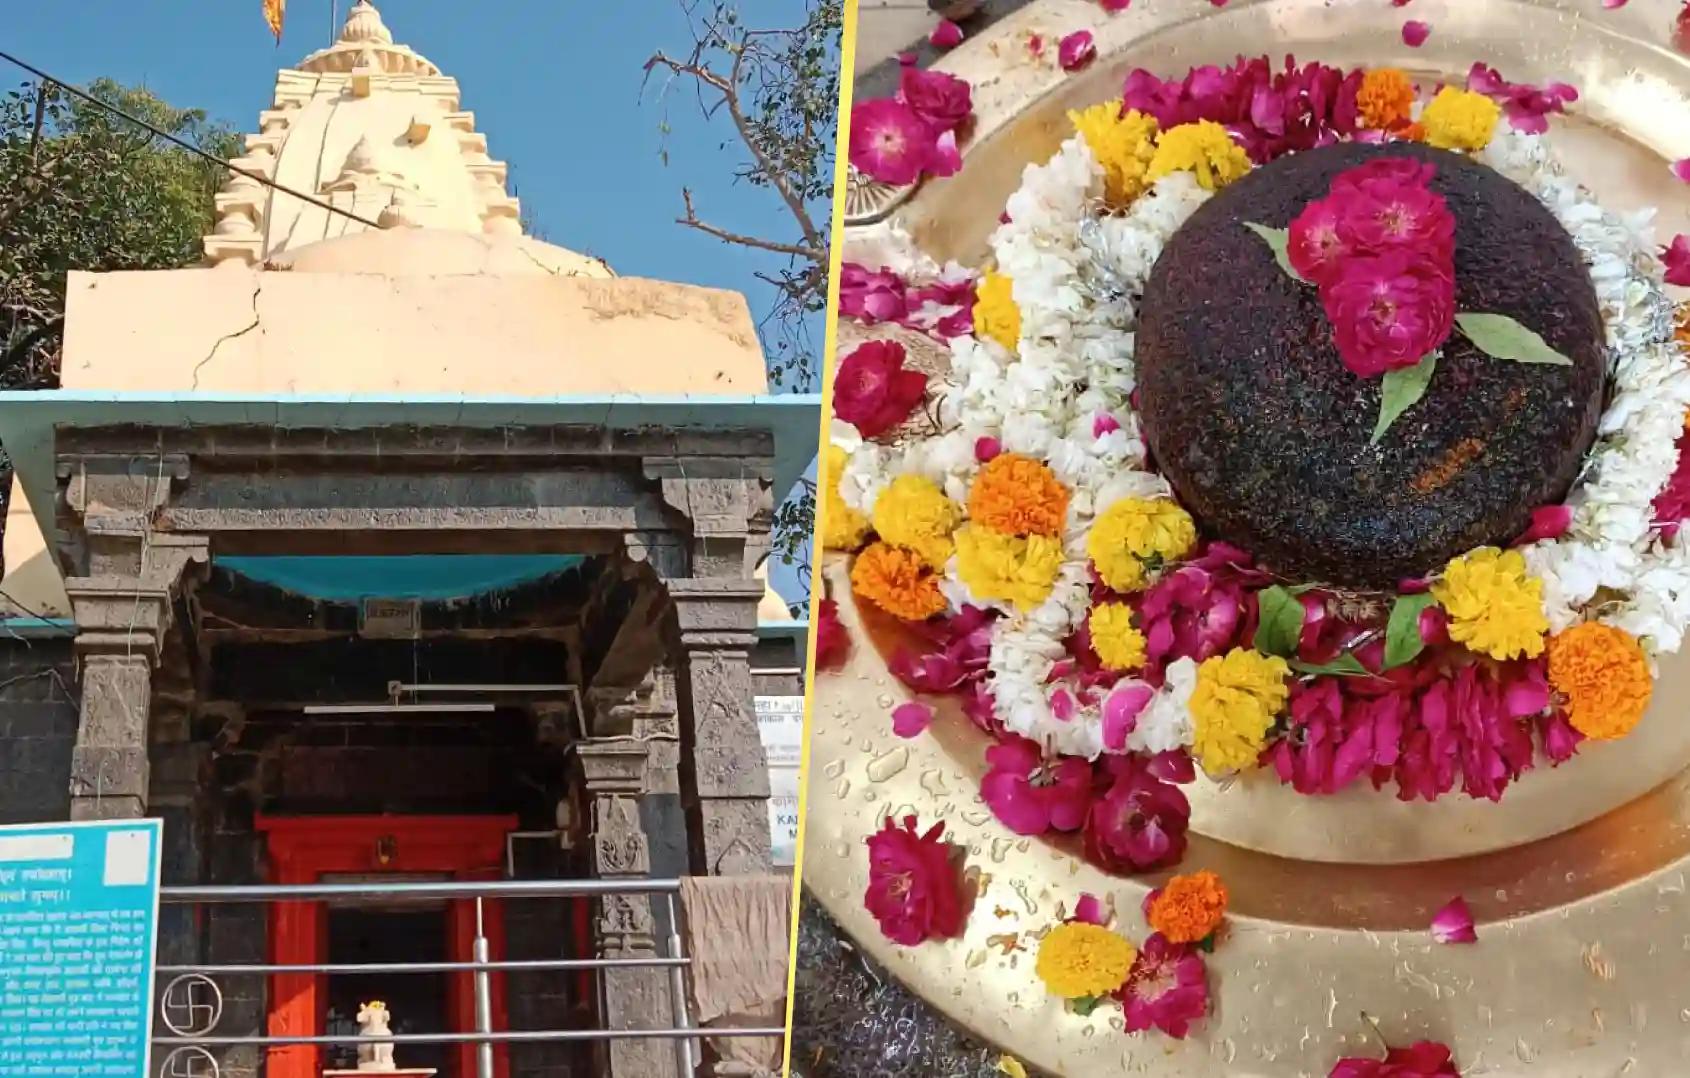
<point>1279,623</point>
<point>1084,1005</point>
<point>1345,665</point>
<point>1499,336</point>
<point>1402,632</point>
<point>1400,390</point>
<point>1278,239</point>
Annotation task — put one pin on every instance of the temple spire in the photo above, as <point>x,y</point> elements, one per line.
<point>364,25</point>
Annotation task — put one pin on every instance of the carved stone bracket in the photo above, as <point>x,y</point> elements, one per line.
<point>728,503</point>
<point>645,711</point>
<point>122,622</point>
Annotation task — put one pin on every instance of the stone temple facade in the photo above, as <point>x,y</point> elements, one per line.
<point>404,545</point>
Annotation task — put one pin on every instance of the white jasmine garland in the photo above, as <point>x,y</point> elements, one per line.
<point>1076,271</point>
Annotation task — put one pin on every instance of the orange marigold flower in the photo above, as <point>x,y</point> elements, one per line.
<point>1413,132</point>
<point>898,581</point>
<point>1017,495</point>
<point>1604,676</point>
<point>1188,908</point>
<point>1386,98</point>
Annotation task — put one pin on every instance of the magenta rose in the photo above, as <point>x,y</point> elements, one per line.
<point>873,391</point>
<point>1381,214</point>
<point>943,101</point>
<point>1422,1059</point>
<point>1389,310</point>
<point>890,143</point>
<point>913,889</point>
<point>1140,822</point>
<point>1031,795</point>
<point>832,642</point>
<point>1316,246</point>
<point>871,295</point>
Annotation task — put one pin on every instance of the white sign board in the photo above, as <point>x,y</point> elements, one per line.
<point>780,724</point>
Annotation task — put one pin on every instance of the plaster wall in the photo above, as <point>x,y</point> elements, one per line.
<point>232,330</point>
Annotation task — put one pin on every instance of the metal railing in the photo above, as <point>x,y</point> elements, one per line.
<point>195,1037</point>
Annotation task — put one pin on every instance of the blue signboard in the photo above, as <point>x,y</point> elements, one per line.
<point>78,928</point>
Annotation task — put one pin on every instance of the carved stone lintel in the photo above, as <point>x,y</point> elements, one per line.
<point>728,505</point>
<point>645,711</point>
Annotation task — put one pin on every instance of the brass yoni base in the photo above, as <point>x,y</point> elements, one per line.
<point>1577,879</point>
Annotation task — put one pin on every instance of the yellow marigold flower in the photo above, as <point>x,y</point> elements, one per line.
<point>1133,531</point>
<point>1604,675</point>
<point>1017,495</point>
<point>1494,608</point>
<point>1386,98</point>
<point>914,513</point>
<point>843,528</point>
<point>1122,143</point>
<point>1077,959</point>
<point>898,581</point>
<point>1117,642</point>
<point>1203,148</point>
<point>1188,908</point>
<point>1009,568</point>
<point>1460,119</point>
<point>996,317</point>
<point>1237,698</point>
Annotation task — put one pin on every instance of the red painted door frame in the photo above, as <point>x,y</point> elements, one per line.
<point>305,848</point>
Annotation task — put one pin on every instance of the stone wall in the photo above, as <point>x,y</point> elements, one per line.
<point>38,717</point>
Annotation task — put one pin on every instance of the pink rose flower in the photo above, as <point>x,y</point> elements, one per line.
<point>944,101</point>
<point>1388,310</point>
<point>1548,522</point>
<point>1167,988</point>
<point>961,647</point>
<point>872,391</point>
<point>913,889</point>
<point>1380,212</point>
<point>1677,259</point>
<point>831,640</point>
<point>1423,1059</point>
<point>1197,611</point>
<point>1316,247</point>
<point>946,35</point>
<point>1140,822</point>
<point>1031,795</point>
<point>889,142</point>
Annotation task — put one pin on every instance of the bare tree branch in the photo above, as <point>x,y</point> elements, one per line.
<point>691,221</point>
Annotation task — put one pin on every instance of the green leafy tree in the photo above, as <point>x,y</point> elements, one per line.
<point>780,90</point>
<point>83,189</point>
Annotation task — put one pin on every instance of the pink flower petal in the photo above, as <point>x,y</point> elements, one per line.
<point>1681,169</point>
<point>1548,521</point>
<point>986,448</point>
<point>1612,4</point>
<point>1036,45</point>
<point>1415,33</point>
<point>1076,50</point>
<point>947,35</point>
<point>1677,259</point>
<point>1062,705</point>
<point>1089,910</point>
<point>911,719</point>
<point>1121,711</point>
<point>1113,6</point>
<point>1399,3</point>
<point>1104,423</point>
<point>945,159</point>
<point>1454,923</point>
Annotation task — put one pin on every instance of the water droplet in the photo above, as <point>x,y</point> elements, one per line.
<point>1020,889</point>
<point>933,781</point>
<point>976,818</point>
<point>1502,894</point>
<point>843,788</point>
<point>833,768</point>
<point>870,796</point>
<point>888,763</point>
<point>884,700</point>
<point>1525,1052</point>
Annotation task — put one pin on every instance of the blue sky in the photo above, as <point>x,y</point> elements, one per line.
<point>555,85</point>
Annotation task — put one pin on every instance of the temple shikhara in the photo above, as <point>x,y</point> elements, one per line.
<point>394,546</point>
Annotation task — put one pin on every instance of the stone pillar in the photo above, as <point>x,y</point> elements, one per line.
<point>724,773</point>
<point>122,618</point>
<point>614,773</point>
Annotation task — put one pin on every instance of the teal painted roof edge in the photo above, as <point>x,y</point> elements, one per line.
<point>775,629</point>
<point>29,418</point>
<point>35,628</point>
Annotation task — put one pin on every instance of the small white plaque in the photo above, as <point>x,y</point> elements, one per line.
<point>129,858</point>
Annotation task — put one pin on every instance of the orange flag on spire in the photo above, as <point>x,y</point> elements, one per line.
<point>273,12</point>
